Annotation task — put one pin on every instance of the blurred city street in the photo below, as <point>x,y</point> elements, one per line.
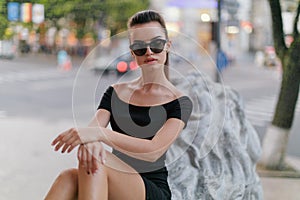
<point>39,100</point>
<point>50,52</point>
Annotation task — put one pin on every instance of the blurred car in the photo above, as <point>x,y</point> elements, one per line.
<point>120,64</point>
<point>7,49</point>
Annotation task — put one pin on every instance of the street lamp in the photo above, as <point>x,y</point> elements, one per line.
<point>218,41</point>
<point>222,60</point>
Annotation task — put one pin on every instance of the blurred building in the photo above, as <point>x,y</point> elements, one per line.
<point>198,20</point>
<point>245,26</point>
<point>262,25</point>
<point>262,35</point>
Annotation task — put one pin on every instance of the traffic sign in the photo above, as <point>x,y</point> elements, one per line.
<point>13,11</point>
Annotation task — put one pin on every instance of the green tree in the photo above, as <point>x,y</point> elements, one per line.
<point>118,12</point>
<point>276,138</point>
<point>3,19</point>
<point>112,14</point>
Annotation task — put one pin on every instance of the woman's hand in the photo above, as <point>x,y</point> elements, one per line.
<point>71,138</point>
<point>90,155</point>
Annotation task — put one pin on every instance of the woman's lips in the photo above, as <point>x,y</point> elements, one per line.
<point>150,60</point>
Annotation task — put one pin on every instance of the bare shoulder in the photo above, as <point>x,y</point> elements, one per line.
<point>124,89</point>
<point>132,92</point>
<point>124,86</point>
<point>174,90</point>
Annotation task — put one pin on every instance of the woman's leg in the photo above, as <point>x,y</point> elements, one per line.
<point>114,181</point>
<point>65,186</point>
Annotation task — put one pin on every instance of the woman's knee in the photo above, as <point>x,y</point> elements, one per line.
<point>65,185</point>
<point>69,175</point>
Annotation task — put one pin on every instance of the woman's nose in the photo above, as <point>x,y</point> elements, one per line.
<point>149,52</point>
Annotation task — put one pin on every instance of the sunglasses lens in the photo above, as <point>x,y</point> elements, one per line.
<point>140,48</point>
<point>140,52</point>
<point>157,46</point>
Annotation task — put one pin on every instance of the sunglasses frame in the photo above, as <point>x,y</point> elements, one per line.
<point>146,45</point>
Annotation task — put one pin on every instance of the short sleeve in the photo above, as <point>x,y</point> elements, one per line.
<point>105,102</point>
<point>181,109</point>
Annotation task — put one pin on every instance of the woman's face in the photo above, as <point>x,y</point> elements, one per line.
<point>150,43</point>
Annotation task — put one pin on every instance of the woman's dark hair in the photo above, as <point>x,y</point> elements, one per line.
<point>147,16</point>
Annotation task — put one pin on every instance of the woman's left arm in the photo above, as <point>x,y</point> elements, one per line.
<point>148,150</point>
<point>144,149</point>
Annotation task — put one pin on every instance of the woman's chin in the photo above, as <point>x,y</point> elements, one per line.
<point>154,64</point>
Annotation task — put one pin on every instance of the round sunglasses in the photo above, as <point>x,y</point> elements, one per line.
<point>140,48</point>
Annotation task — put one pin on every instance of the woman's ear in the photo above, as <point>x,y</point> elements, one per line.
<point>169,43</point>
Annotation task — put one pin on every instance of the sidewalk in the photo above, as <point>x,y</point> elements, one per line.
<point>30,164</point>
<point>277,186</point>
<point>281,188</point>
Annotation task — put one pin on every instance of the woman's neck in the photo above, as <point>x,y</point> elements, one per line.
<point>153,76</point>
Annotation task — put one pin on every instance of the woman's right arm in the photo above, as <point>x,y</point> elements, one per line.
<point>100,119</point>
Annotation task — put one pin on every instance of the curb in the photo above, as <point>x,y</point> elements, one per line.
<point>292,169</point>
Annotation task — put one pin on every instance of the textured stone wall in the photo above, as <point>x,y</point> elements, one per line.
<point>215,156</point>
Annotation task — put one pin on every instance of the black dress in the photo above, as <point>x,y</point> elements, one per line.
<point>144,122</point>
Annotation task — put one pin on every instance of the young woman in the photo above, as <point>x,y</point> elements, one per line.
<point>146,115</point>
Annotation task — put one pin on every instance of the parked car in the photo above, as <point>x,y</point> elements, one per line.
<point>117,63</point>
<point>7,49</point>
<point>113,55</point>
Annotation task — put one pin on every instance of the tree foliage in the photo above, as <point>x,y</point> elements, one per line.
<point>112,14</point>
<point>3,18</point>
<point>118,12</point>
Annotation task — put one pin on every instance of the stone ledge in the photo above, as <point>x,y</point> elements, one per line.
<point>291,170</point>
<point>278,174</point>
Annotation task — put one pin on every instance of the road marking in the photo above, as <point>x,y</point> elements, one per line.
<point>32,75</point>
<point>48,85</point>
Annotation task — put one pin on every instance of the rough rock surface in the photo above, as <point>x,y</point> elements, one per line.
<point>215,156</point>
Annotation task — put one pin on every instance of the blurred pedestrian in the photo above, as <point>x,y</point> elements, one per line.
<point>146,115</point>
<point>64,60</point>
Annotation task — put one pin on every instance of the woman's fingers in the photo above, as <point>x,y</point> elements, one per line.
<point>89,158</point>
<point>57,139</point>
<point>58,145</point>
<point>62,136</point>
<point>103,154</point>
<point>73,145</point>
<point>67,140</point>
<point>70,144</point>
<point>84,158</point>
<point>96,157</point>
<point>93,157</point>
<point>79,153</point>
